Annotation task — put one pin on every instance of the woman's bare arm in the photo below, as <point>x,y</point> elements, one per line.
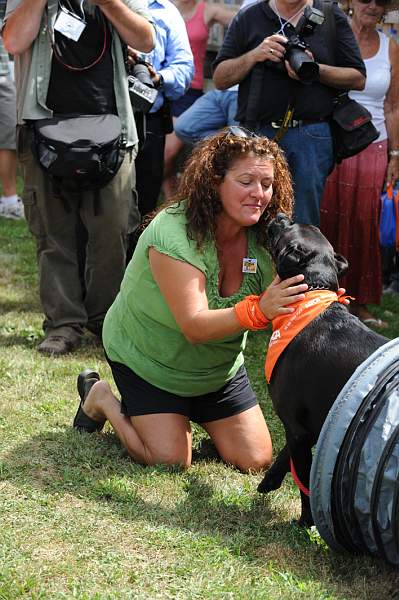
<point>391,109</point>
<point>183,287</point>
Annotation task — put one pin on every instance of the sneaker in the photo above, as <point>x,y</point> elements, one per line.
<point>12,210</point>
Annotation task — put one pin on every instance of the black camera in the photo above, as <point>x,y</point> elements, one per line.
<point>304,66</point>
<point>142,90</point>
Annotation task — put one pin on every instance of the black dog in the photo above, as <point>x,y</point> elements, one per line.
<point>317,363</point>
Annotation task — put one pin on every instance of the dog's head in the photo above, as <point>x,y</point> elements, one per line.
<point>297,248</point>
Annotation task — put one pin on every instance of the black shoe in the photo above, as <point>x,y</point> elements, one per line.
<point>96,328</point>
<point>57,345</point>
<point>82,422</point>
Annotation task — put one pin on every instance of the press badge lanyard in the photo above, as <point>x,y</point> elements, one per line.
<point>71,26</point>
<point>69,23</point>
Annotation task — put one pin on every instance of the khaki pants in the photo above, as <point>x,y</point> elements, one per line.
<point>74,297</point>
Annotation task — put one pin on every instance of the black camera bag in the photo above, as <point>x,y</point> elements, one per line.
<point>351,128</point>
<point>80,152</point>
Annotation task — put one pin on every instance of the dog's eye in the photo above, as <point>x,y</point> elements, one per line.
<point>298,252</point>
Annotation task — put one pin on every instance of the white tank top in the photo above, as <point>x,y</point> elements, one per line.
<point>378,69</point>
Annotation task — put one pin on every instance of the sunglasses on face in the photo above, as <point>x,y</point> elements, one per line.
<point>376,2</point>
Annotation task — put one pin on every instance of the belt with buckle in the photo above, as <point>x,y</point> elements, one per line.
<point>295,122</point>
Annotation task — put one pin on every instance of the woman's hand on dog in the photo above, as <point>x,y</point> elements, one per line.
<point>280,293</point>
<point>341,292</point>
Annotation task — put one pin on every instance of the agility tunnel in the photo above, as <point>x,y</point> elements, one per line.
<point>354,480</point>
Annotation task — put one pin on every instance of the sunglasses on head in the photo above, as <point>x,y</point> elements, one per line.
<point>377,2</point>
<point>241,132</point>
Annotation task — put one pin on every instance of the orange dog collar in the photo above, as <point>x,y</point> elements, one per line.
<point>286,327</point>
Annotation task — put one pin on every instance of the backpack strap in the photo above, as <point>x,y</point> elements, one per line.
<point>254,94</point>
<point>327,7</point>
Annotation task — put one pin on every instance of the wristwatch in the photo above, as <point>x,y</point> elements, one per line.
<point>159,85</point>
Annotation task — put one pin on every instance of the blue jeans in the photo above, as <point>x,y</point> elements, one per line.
<point>309,153</point>
<point>207,115</point>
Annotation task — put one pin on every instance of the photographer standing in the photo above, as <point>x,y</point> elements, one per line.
<point>254,54</point>
<point>171,68</point>
<point>70,63</point>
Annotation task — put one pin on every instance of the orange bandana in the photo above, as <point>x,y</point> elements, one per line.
<point>286,327</point>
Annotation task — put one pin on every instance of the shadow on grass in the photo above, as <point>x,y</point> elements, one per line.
<point>26,304</point>
<point>95,467</point>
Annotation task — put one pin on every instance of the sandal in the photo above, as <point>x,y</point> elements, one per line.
<point>82,422</point>
<point>373,322</point>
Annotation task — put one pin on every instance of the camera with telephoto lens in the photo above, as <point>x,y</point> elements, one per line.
<point>142,90</point>
<point>300,62</point>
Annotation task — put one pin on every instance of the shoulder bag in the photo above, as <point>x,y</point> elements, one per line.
<point>81,152</point>
<point>351,126</point>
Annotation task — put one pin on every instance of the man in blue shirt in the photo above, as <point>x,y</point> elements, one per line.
<point>173,69</point>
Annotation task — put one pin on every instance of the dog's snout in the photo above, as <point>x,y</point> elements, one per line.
<point>282,219</point>
<point>279,223</point>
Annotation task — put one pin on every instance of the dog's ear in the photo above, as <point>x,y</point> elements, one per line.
<point>341,264</point>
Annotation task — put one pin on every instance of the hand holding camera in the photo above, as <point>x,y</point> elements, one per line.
<point>298,59</point>
<point>272,48</point>
<point>143,81</point>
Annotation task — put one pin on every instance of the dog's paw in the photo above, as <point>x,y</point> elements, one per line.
<point>268,484</point>
<point>303,522</point>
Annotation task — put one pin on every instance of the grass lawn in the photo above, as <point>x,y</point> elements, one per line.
<point>80,520</point>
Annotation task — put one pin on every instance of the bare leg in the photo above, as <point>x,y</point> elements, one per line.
<point>8,172</point>
<point>242,440</point>
<point>150,439</point>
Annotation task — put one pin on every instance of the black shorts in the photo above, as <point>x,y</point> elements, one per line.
<point>138,397</point>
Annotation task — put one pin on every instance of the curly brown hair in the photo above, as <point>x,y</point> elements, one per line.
<point>205,169</point>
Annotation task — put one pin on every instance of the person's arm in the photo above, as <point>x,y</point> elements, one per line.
<point>233,70</point>
<point>391,109</point>
<point>183,288</point>
<point>217,13</point>
<point>133,28</point>
<point>342,78</point>
<point>22,26</point>
<point>177,69</point>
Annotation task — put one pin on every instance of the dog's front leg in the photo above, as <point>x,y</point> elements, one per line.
<point>302,460</point>
<point>275,475</point>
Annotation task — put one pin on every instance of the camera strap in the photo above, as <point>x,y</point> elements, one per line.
<point>287,119</point>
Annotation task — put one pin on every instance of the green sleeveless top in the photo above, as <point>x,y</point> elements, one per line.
<point>140,331</point>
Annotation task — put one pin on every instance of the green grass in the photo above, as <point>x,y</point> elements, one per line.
<point>79,519</point>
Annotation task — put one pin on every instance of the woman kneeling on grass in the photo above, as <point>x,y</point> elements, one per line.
<point>174,337</point>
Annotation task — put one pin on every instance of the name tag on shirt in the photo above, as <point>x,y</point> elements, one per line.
<point>69,24</point>
<point>249,265</point>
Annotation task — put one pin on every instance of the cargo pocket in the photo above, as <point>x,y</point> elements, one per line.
<point>32,213</point>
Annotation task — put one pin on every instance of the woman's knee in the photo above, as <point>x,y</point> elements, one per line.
<point>256,460</point>
<point>180,457</point>
<point>173,457</point>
